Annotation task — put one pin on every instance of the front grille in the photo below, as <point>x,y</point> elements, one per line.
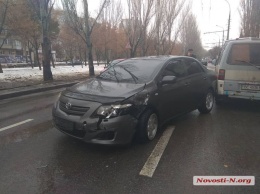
<point>64,124</point>
<point>73,110</point>
<point>68,127</point>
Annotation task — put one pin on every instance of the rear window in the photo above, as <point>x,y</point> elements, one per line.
<point>241,53</point>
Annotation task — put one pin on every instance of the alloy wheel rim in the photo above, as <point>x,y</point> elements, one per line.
<point>209,101</point>
<point>152,126</point>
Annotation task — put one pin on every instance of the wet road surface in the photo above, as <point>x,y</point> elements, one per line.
<point>37,158</point>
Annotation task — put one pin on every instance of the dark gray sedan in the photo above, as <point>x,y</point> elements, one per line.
<point>134,97</point>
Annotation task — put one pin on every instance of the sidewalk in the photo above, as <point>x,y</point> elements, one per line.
<point>16,82</point>
<point>25,90</point>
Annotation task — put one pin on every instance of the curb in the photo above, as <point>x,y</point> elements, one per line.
<point>35,90</point>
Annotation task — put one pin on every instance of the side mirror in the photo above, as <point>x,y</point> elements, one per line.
<point>169,79</point>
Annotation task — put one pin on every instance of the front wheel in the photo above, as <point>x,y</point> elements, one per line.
<point>207,102</point>
<point>148,126</point>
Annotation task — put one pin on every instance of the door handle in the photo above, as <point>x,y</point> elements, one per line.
<point>187,84</point>
<point>204,78</point>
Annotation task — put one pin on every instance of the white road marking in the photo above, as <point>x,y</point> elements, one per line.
<point>153,160</point>
<point>17,124</point>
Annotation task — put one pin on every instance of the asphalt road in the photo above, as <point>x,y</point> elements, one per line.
<point>37,158</point>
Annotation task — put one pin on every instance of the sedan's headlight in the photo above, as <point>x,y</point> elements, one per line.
<point>112,110</point>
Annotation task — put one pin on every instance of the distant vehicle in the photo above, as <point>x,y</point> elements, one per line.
<point>134,97</point>
<point>238,69</point>
<point>204,62</point>
<point>75,62</point>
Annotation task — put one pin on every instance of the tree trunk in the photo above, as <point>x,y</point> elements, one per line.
<point>52,61</point>
<point>37,58</point>
<point>46,51</point>
<point>90,61</point>
<point>30,56</point>
<point>46,44</point>
<point>85,57</point>
<point>1,70</point>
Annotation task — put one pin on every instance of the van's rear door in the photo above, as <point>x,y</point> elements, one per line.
<point>243,70</point>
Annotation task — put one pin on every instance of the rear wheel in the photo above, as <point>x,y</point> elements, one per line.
<point>207,103</point>
<point>148,126</point>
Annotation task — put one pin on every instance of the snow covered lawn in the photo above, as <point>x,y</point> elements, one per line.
<point>15,77</point>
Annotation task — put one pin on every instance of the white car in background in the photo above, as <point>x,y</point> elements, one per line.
<point>238,69</point>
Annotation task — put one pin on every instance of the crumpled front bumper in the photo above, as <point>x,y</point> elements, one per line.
<point>112,131</point>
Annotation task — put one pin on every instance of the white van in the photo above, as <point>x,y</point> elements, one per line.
<point>238,69</point>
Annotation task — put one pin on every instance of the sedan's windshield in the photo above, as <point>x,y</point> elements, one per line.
<point>133,71</point>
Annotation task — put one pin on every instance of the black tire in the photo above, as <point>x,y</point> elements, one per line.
<point>142,129</point>
<point>207,102</point>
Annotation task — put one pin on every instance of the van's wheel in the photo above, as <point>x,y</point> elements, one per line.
<point>148,126</point>
<point>207,102</point>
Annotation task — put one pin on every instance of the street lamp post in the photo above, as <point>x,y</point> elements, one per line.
<point>222,35</point>
<point>218,39</point>
<point>229,18</point>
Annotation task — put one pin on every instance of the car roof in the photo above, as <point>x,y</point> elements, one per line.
<point>159,58</point>
<point>244,40</point>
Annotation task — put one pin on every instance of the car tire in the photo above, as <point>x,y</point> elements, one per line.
<point>207,102</point>
<point>148,126</point>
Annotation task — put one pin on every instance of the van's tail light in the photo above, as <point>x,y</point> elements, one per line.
<point>221,74</point>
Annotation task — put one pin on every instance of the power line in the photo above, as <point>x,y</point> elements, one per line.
<point>213,32</point>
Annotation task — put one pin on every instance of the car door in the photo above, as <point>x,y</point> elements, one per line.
<point>198,81</point>
<point>175,96</point>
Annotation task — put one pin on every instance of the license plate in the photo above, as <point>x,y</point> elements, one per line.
<point>250,87</point>
<point>64,124</point>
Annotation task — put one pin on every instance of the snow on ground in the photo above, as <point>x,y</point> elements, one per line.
<point>15,77</point>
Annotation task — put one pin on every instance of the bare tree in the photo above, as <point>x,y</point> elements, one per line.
<point>190,35</point>
<point>168,23</point>
<point>113,13</point>
<point>138,19</point>
<point>43,10</point>
<point>4,6</point>
<point>250,18</point>
<point>175,16</point>
<point>110,20</point>
<point>83,26</point>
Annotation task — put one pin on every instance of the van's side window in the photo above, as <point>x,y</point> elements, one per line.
<point>242,53</point>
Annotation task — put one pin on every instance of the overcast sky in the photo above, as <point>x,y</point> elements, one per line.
<point>209,14</point>
<point>215,12</point>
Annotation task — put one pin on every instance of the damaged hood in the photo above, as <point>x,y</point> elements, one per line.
<point>100,90</point>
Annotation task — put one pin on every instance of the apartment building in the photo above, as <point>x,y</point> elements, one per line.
<point>11,46</point>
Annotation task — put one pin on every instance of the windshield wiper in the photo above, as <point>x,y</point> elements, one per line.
<point>248,63</point>
<point>132,75</point>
